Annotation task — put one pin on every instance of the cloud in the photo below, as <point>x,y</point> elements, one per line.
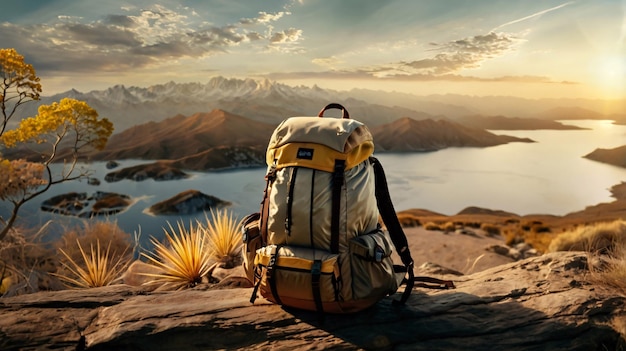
<point>264,18</point>
<point>462,54</point>
<point>138,38</point>
<point>447,61</point>
<point>287,36</point>
<point>330,62</point>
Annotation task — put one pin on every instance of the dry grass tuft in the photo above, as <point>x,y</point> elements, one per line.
<point>601,237</point>
<point>26,263</point>
<point>92,232</point>
<point>183,260</point>
<point>223,234</point>
<point>449,226</point>
<point>96,268</point>
<point>613,272</point>
<point>432,226</point>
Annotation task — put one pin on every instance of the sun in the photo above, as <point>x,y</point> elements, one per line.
<point>609,74</point>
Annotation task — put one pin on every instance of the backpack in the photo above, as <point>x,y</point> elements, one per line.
<point>317,243</point>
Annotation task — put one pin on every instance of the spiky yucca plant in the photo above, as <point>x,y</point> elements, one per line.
<point>183,260</point>
<point>99,268</point>
<point>223,233</point>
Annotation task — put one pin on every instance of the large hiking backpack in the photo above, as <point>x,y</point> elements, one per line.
<point>317,243</point>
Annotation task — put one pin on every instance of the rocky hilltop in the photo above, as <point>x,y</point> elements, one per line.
<point>512,123</point>
<point>407,134</point>
<point>87,206</point>
<point>549,302</point>
<point>616,156</point>
<point>182,136</point>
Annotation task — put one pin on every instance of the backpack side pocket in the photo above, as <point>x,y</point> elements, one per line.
<point>372,266</point>
<point>252,241</point>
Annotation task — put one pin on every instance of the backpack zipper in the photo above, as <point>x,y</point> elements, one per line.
<point>292,184</point>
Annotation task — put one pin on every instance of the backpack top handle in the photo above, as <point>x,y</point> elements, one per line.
<point>344,112</point>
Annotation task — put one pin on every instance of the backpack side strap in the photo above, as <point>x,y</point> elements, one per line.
<point>388,214</point>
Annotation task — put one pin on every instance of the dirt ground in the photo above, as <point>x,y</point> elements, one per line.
<point>465,253</point>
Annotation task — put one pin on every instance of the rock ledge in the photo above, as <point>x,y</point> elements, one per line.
<point>540,303</point>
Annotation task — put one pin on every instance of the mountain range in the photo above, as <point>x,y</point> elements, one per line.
<point>270,102</point>
<point>226,123</point>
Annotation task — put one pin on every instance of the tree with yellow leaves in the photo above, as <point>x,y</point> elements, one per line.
<point>19,84</point>
<point>71,123</point>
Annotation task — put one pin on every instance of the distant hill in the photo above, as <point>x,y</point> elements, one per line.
<point>616,156</point>
<point>512,123</point>
<point>407,134</point>
<point>565,113</point>
<point>180,136</point>
<point>222,140</point>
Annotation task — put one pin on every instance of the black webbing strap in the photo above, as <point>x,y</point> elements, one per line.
<point>337,184</point>
<point>316,273</point>
<point>434,283</point>
<point>388,214</point>
<point>270,271</point>
<point>265,203</point>
<point>258,274</point>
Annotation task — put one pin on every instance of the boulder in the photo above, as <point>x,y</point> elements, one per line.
<point>187,202</point>
<point>548,302</point>
<point>81,205</point>
<point>159,171</point>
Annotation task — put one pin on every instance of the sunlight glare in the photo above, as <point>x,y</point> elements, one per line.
<point>610,75</point>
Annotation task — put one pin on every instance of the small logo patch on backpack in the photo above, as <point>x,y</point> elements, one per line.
<point>304,153</point>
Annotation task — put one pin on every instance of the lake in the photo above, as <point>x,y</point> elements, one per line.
<point>548,177</point>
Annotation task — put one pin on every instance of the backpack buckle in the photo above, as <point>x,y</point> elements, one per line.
<point>379,254</point>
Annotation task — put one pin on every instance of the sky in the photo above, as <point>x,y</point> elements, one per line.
<point>532,49</point>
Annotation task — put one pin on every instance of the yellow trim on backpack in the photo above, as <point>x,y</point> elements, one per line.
<point>317,156</point>
<point>328,266</point>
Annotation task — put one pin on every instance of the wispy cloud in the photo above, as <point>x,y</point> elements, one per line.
<point>533,15</point>
<point>447,58</point>
<point>367,75</point>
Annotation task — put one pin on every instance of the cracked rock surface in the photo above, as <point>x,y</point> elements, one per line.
<point>548,302</point>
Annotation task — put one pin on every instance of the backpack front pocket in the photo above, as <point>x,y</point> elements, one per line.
<point>298,274</point>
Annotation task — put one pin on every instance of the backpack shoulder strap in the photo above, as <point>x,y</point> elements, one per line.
<point>388,214</point>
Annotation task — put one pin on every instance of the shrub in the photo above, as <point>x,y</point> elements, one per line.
<point>96,268</point>
<point>600,237</point>
<point>432,226</point>
<point>541,229</point>
<point>512,237</point>
<point>223,233</point>
<point>183,260</point>
<point>26,263</point>
<point>90,233</point>
<point>490,229</point>
<point>449,227</point>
